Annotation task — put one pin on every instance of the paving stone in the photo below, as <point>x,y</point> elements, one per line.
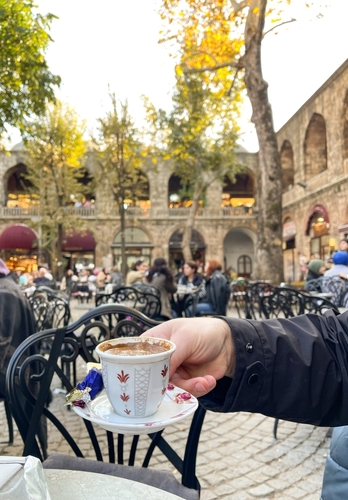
<point>261,491</point>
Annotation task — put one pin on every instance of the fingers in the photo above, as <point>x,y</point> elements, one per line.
<point>197,386</point>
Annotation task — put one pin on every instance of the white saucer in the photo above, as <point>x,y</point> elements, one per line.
<point>100,411</point>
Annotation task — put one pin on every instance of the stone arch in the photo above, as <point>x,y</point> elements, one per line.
<point>315,147</point>
<point>17,188</point>
<point>345,126</point>
<point>240,193</point>
<point>287,164</point>
<point>178,194</point>
<point>239,242</point>
<point>197,246</point>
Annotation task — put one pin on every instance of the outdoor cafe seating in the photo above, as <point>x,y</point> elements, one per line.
<point>32,377</point>
<point>142,298</point>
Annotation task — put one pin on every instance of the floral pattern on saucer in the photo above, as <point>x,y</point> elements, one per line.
<point>177,405</point>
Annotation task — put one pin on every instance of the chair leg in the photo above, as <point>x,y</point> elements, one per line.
<point>9,421</point>
<point>275,427</point>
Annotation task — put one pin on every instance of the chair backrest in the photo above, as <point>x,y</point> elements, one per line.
<point>32,377</point>
<point>144,301</point>
<point>51,308</point>
<point>334,285</point>
<point>282,302</point>
<point>288,302</point>
<point>253,294</point>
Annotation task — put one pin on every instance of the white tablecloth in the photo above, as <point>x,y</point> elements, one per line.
<point>77,485</point>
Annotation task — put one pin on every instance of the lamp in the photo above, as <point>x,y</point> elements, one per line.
<point>302,184</point>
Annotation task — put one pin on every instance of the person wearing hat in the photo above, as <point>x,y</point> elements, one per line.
<point>316,268</point>
<point>340,260</point>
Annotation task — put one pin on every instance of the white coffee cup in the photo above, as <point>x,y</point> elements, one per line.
<point>135,378</point>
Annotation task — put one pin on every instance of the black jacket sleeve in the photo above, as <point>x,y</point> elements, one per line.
<point>294,369</point>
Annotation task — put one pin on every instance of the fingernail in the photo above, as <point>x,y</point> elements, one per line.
<point>199,387</point>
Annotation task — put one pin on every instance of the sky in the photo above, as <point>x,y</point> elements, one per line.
<point>113,44</point>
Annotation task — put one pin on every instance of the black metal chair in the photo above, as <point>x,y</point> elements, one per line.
<point>29,381</point>
<point>144,301</point>
<point>8,417</point>
<point>238,294</point>
<point>329,284</point>
<point>253,295</point>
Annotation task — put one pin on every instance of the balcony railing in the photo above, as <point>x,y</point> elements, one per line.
<point>206,212</point>
<point>20,213</point>
<point>131,212</point>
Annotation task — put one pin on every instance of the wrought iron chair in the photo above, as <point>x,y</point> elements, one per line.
<point>144,301</point>
<point>253,294</point>
<point>284,302</point>
<point>238,298</point>
<point>31,376</point>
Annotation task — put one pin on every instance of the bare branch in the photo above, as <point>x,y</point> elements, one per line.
<point>229,64</point>
<point>238,6</point>
<point>278,25</point>
<point>233,82</point>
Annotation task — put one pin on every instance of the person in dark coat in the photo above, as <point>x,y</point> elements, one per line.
<point>217,290</point>
<point>16,320</point>
<point>295,369</point>
<point>161,277</point>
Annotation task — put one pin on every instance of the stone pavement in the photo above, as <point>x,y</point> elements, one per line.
<point>238,457</point>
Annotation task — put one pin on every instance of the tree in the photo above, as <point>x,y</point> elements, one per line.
<point>55,149</point>
<point>199,136</point>
<point>223,38</point>
<point>25,80</point>
<point>118,150</point>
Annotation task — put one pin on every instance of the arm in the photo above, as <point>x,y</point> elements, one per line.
<point>294,369</point>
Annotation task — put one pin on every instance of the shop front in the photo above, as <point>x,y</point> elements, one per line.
<point>19,248</point>
<point>197,246</point>
<point>78,250</point>
<point>318,227</point>
<point>137,247</point>
<point>289,249</point>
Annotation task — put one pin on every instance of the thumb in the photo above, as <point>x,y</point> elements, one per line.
<point>197,386</point>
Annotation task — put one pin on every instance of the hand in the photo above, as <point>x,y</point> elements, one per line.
<point>204,352</point>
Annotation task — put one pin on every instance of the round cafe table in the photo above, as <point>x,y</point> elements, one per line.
<point>78,485</point>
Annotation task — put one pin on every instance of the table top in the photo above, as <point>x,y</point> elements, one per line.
<point>78,485</point>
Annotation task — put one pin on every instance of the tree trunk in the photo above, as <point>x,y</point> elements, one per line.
<point>59,269</point>
<point>123,240</point>
<point>269,233</point>
<point>187,235</point>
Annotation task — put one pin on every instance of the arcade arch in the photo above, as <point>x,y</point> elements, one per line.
<point>240,193</point>
<point>287,164</point>
<point>197,246</point>
<point>239,252</point>
<point>315,147</point>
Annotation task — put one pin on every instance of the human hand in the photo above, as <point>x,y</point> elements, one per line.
<point>204,352</point>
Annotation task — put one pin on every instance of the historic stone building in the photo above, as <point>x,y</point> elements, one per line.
<point>224,227</point>
<point>313,147</point>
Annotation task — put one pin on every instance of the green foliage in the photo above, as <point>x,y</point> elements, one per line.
<point>119,154</point>
<point>55,149</point>
<point>25,80</point>
<point>199,135</point>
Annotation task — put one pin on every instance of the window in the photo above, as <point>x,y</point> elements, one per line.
<point>244,266</point>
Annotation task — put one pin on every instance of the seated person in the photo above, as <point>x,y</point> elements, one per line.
<point>17,321</point>
<point>340,260</point>
<point>190,277</point>
<point>137,272</point>
<point>316,268</point>
<point>161,277</point>
<point>41,279</point>
<point>217,290</point>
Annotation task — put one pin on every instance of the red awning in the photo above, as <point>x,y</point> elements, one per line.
<point>78,242</point>
<point>18,237</point>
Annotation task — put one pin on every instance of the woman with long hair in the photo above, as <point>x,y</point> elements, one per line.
<point>161,277</point>
<point>217,290</point>
<point>137,272</point>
